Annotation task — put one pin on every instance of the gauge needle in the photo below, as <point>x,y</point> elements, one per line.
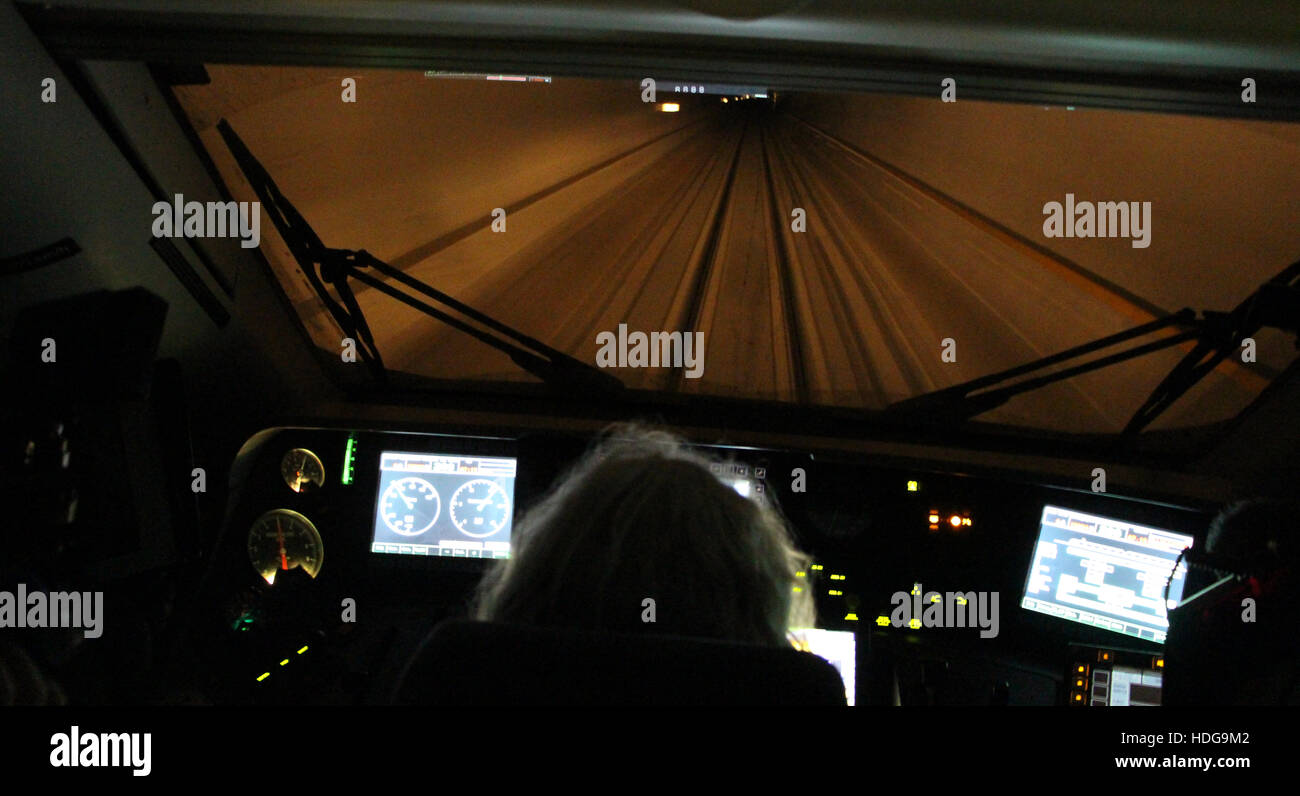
<point>279,533</point>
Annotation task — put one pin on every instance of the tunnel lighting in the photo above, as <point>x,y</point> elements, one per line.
<point>913,486</point>
<point>284,662</point>
<point>915,624</point>
<point>724,100</point>
<point>816,567</point>
<point>934,518</point>
<point>955,520</point>
<point>850,617</point>
<point>264,676</point>
<point>301,651</point>
<point>670,107</point>
<point>883,621</point>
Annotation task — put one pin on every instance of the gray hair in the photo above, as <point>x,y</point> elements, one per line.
<point>641,516</point>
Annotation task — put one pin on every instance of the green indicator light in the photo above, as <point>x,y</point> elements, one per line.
<point>347,459</point>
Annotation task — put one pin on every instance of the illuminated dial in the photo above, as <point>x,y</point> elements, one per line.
<point>410,506</point>
<point>480,508</point>
<point>302,470</point>
<point>282,540</point>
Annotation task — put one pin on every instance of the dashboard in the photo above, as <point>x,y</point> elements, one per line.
<point>341,548</point>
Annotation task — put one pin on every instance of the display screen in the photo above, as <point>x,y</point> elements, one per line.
<point>1106,573</point>
<point>749,482</point>
<point>444,505</point>
<point>839,647</point>
<point>1126,686</point>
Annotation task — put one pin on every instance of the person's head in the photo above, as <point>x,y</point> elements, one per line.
<point>641,517</point>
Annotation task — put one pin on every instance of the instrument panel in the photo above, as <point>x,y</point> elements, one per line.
<point>397,527</point>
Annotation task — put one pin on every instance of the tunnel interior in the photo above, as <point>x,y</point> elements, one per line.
<point>820,249</point>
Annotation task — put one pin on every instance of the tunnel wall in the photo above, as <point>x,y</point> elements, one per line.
<point>488,144</point>
<point>1224,212</point>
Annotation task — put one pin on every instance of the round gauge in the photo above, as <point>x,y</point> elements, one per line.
<point>410,506</point>
<point>281,540</point>
<point>302,470</point>
<point>480,508</point>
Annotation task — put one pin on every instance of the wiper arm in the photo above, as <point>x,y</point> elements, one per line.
<point>336,265</point>
<point>1276,303</point>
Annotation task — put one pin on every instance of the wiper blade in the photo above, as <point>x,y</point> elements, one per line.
<point>308,250</point>
<point>1276,303</point>
<point>554,367</point>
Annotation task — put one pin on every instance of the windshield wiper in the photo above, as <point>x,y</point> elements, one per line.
<point>1218,334</point>
<point>554,367</point>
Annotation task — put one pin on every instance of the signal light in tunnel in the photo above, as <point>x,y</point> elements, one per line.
<point>670,107</point>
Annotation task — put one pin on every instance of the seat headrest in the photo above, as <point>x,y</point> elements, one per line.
<point>484,663</point>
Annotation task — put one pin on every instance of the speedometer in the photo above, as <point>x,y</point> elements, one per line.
<point>410,506</point>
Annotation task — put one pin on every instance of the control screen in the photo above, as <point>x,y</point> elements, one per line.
<point>444,505</point>
<point>1106,573</point>
<point>839,647</point>
<point>1126,685</point>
